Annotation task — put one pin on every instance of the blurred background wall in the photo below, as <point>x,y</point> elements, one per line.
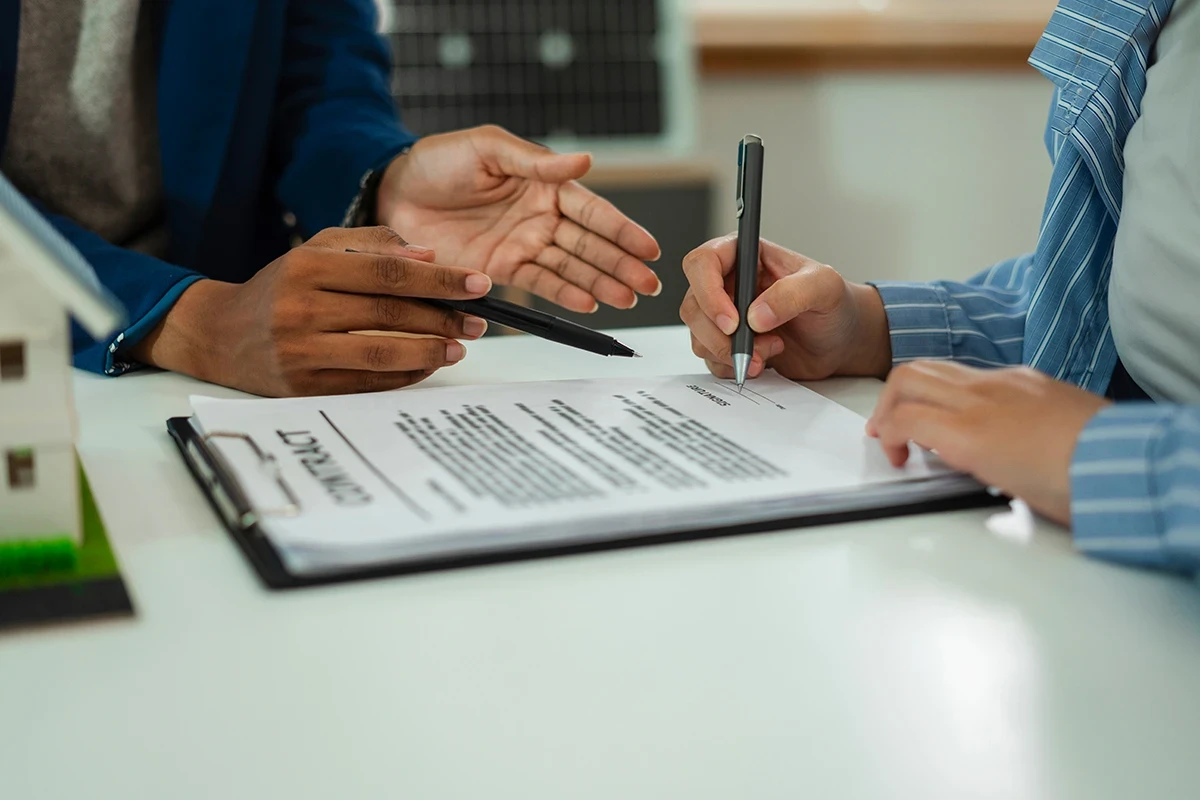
<point>887,175</point>
<point>904,137</point>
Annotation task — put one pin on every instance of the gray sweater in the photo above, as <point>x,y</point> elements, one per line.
<point>1154,291</point>
<point>83,138</point>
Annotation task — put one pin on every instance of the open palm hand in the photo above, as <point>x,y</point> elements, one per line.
<point>488,200</point>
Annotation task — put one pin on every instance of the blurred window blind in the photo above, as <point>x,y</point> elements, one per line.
<point>548,70</point>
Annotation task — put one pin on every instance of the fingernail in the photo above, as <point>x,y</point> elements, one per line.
<point>762,318</point>
<point>478,283</point>
<point>657,289</point>
<point>455,352</point>
<point>416,248</point>
<point>474,327</point>
<point>634,303</point>
<point>727,324</point>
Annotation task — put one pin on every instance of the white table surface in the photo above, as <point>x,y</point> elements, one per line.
<point>923,657</point>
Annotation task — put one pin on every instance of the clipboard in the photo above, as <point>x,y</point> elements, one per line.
<point>244,522</point>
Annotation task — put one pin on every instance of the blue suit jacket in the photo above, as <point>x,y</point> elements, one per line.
<point>264,107</point>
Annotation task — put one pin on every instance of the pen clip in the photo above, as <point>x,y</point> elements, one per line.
<point>741,177</point>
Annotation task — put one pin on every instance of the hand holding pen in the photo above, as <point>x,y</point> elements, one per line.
<point>788,312</point>
<point>287,330</point>
<point>528,320</point>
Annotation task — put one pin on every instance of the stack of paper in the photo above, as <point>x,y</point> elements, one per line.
<point>484,469</point>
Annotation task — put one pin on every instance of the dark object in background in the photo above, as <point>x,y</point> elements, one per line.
<point>540,68</point>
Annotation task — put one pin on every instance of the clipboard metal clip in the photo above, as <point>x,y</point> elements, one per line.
<point>269,465</point>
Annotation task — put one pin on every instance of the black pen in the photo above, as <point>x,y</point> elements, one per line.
<point>535,323</point>
<point>749,212</point>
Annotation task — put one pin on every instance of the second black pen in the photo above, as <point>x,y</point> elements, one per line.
<point>535,323</point>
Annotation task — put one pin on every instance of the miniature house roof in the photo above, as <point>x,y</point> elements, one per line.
<point>32,244</point>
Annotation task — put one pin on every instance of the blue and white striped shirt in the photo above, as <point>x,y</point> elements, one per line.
<point>1135,476</point>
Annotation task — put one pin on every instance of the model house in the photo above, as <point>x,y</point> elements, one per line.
<point>44,282</point>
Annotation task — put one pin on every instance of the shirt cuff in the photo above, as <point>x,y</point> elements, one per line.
<point>116,362</point>
<point>1115,511</point>
<point>362,210</point>
<point>918,321</point>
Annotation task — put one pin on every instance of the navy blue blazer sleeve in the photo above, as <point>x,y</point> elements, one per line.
<point>146,286</point>
<point>336,117</point>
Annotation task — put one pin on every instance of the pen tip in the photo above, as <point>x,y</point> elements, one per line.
<point>741,369</point>
<point>623,350</point>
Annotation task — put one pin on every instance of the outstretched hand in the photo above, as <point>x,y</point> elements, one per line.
<point>487,200</point>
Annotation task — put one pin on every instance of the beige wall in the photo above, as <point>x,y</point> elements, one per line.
<point>887,175</point>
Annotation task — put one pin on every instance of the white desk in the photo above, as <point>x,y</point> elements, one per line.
<point>918,658</point>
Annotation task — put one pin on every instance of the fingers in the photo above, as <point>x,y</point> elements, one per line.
<point>349,381</point>
<point>794,284</point>
<point>375,239</point>
<point>595,283</point>
<point>921,403</point>
<point>512,155</point>
<point>351,351</point>
<point>596,214</point>
<point>704,330</point>
<point>779,262</point>
<point>546,283</point>
<point>764,349</point>
<point>605,257</point>
<point>710,344</point>
<point>351,312</point>
<point>374,274</point>
<point>813,287</point>
<point>706,268</point>
<point>938,384</point>
<point>724,371</point>
<point>722,368</point>
<point>928,426</point>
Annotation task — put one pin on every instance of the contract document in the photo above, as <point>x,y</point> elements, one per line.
<point>342,483</point>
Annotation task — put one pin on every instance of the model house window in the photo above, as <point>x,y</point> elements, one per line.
<point>12,361</point>
<point>20,469</point>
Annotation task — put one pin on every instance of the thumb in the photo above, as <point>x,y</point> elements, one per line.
<point>516,157</point>
<point>388,240</point>
<point>813,288</point>
<point>378,239</point>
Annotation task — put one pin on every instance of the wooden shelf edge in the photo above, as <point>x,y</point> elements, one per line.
<point>868,30</point>
<point>734,42</point>
<point>764,60</point>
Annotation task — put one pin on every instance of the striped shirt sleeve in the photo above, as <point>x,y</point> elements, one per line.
<point>1135,486</point>
<point>980,322</point>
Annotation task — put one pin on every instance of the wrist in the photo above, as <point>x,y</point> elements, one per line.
<point>871,349</point>
<point>387,193</point>
<point>188,339</point>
